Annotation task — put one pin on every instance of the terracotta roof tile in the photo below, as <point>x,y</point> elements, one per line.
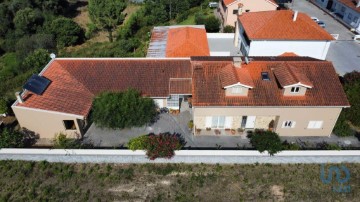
<point>74,82</point>
<point>228,2</point>
<point>327,90</point>
<point>288,74</point>
<point>288,54</point>
<point>186,42</point>
<point>244,77</point>
<point>228,76</point>
<point>279,25</point>
<point>180,86</point>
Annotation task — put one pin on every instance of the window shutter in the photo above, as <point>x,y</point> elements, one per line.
<point>208,122</point>
<point>311,124</point>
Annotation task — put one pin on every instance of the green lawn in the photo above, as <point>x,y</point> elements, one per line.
<point>43,181</point>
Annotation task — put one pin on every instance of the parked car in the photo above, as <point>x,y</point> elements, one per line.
<point>213,4</point>
<point>315,19</point>
<point>322,24</point>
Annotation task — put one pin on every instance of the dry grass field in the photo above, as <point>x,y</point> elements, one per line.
<point>43,181</point>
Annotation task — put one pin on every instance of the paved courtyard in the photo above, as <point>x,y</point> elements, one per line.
<point>178,124</point>
<point>345,52</point>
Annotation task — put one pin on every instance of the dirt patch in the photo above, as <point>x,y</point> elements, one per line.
<point>278,192</point>
<point>83,17</point>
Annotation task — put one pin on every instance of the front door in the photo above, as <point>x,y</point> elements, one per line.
<point>250,122</point>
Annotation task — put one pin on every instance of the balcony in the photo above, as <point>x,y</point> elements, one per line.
<point>221,132</point>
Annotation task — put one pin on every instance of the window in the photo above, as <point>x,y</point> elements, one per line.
<point>173,101</point>
<point>218,122</point>
<point>288,124</point>
<point>355,19</point>
<point>342,9</point>
<point>265,76</point>
<point>247,10</point>
<point>235,11</point>
<point>295,89</point>
<point>236,90</point>
<point>69,124</point>
<point>315,124</point>
<point>349,16</point>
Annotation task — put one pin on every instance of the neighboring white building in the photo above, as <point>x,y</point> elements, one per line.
<point>273,33</point>
<point>347,10</point>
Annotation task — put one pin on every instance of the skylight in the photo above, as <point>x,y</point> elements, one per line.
<point>265,76</point>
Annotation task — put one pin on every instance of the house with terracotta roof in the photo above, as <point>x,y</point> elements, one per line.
<point>272,33</point>
<point>65,104</point>
<point>347,10</point>
<point>230,9</point>
<point>178,41</point>
<point>295,96</point>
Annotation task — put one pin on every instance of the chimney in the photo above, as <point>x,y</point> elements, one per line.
<point>18,97</point>
<point>295,15</point>
<point>237,61</point>
<point>240,6</point>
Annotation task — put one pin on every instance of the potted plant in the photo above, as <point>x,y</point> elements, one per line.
<point>198,130</point>
<point>217,132</point>
<point>240,130</point>
<point>233,131</point>
<point>271,125</point>
<point>208,129</point>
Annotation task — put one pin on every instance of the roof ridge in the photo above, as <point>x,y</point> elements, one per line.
<point>73,77</point>
<point>288,67</point>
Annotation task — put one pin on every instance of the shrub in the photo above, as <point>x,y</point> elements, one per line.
<point>212,24</point>
<point>328,146</point>
<point>61,141</point>
<point>163,145</point>
<point>123,110</point>
<point>342,128</point>
<point>138,143</point>
<point>11,139</point>
<point>229,29</point>
<point>290,146</point>
<point>3,106</point>
<point>66,32</point>
<point>191,124</point>
<point>266,141</point>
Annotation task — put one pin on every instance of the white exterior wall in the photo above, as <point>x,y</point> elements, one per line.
<point>160,102</point>
<point>314,49</point>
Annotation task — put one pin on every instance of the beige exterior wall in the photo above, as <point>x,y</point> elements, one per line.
<point>244,91</point>
<point>302,91</point>
<point>264,115</point>
<point>161,102</point>
<point>252,5</point>
<point>45,123</point>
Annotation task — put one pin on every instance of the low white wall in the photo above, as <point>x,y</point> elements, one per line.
<point>220,35</point>
<point>183,156</point>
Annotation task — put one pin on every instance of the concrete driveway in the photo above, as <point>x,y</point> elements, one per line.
<point>345,52</point>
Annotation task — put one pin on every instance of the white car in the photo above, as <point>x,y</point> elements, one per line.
<point>315,19</point>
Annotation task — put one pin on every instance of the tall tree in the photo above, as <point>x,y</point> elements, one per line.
<point>107,14</point>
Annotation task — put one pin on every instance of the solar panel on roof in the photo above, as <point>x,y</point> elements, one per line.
<point>37,84</point>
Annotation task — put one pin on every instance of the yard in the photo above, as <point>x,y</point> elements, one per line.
<point>43,181</point>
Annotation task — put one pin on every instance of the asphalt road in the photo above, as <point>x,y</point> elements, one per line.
<point>344,52</point>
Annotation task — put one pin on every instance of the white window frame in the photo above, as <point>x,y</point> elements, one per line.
<point>173,101</point>
<point>289,124</point>
<point>218,120</point>
<point>236,90</point>
<point>315,124</point>
<point>295,89</point>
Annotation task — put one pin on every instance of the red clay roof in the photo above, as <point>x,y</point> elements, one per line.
<point>327,90</point>
<point>229,75</point>
<point>180,86</point>
<point>351,4</point>
<point>288,54</point>
<point>288,74</point>
<point>75,82</point>
<point>279,25</point>
<point>186,42</point>
<point>228,2</point>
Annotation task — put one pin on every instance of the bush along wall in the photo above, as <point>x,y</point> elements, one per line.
<point>162,145</point>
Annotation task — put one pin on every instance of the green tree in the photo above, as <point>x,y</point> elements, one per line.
<point>229,29</point>
<point>342,128</point>
<point>66,32</point>
<point>212,24</point>
<point>27,20</point>
<point>11,139</point>
<point>107,14</point>
<point>266,141</point>
<point>3,106</point>
<point>36,61</point>
<point>123,110</point>
<point>5,22</point>
<point>352,90</point>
